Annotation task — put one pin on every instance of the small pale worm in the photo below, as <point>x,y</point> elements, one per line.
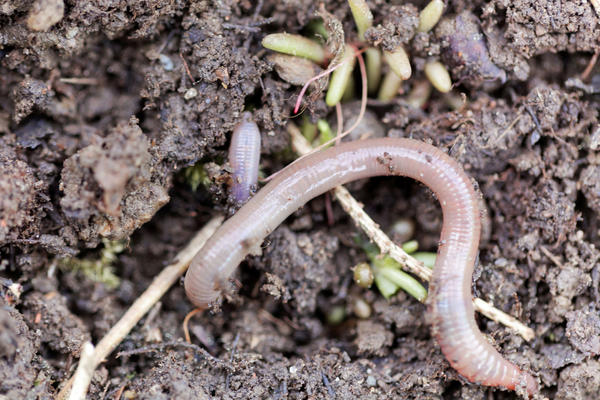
<point>244,157</point>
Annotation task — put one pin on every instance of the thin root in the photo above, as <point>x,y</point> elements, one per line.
<point>186,320</point>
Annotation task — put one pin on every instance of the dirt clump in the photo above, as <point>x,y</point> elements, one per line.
<point>22,371</point>
<point>535,27</point>
<point>19,195</point>
<point>579,381</point>
<point>304,264</point>
<point>113,187</point>
<point>59,329</point>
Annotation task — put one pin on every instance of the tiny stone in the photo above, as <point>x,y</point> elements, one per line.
<point>166,62</point>
<point>361,309</point>
<point>190,93</point>
<point>371,381</point>
<point>501,262</point>
<point>45,13</point>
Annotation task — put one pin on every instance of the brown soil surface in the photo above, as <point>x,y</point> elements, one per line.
<point>104,104</point>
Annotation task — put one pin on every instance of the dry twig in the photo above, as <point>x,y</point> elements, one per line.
<point>596,5</point>
<point>386,246</point>
<point>138,309</point>
<point>84,372</point>
<point>80,81</point>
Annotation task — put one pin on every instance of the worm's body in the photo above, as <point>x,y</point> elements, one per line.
<point>244,156</point>
<point>450,288</point>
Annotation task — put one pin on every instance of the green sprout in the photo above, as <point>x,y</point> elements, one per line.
<point>295,45</point>
<point>308,129</point>
<point>362,16</point>
<point>336,315</point>
<point>427,258</point>
<point>387,270</point>
<point>438,75</point>
<point>316,28</point>
<point>398,62</point>
<point>430,15</point>
<point>373,63</point>
<point>411,246</point>
<point>325,132</point>
<point>340,77</point>
<point>388,276</point>
<point>390,86</point>
<point>364,20</point>
<point>98,270</point>
<point>196,175</point>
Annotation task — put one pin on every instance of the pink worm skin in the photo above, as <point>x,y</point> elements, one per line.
<point>450,302</point>
<point>244,156</point>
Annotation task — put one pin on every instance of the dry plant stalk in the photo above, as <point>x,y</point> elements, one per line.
<point>91,358</point>
<point>387,246</point>
<point>596,5</point>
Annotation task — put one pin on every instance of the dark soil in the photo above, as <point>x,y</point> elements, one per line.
<point>103,105</point>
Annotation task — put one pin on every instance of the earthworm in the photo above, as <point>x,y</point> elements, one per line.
<point>450,302</point>
<point>244,156</point>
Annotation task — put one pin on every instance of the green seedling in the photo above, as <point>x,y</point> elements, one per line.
<point>340,77</point>
<point>99,270</point>
<point>362,16</point>
<point>196,175</point>
<point>295,45</point>
<point>390,86</point>
<point>373,61</point>
<point>387,270</point>
<point>430,15</point>
<point>308,129</point>
<point>316,28</point>
<point>388,276</point>
<point>427,258</point>
<point>336,315</point>
<point>398,62</point>
<point>325,132</point>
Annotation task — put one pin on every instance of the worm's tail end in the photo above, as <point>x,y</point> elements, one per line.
<point>526,384</point>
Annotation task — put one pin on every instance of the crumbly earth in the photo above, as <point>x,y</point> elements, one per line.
<point>103,106</point>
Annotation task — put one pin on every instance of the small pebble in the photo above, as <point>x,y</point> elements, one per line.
<point>361,308</point>
<point>166,62</point>
<point>403,230</point>
<point>43,14</point>
<point>371,381</point>
<point>190,93</point>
